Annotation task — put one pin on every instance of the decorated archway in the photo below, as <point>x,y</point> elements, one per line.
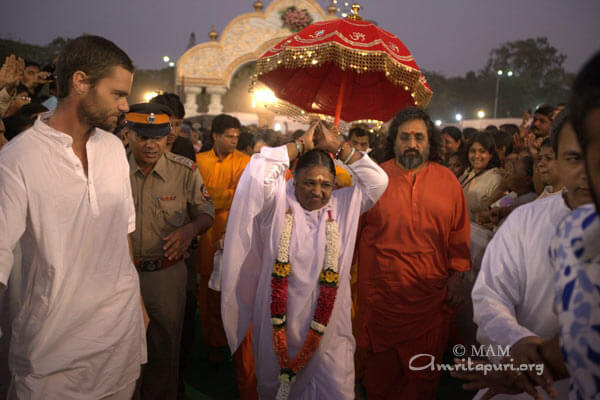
<point>211,65</point>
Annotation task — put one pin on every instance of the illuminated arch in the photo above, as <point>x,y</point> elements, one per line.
<point>212,64</point>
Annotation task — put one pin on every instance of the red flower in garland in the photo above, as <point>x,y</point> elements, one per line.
<point>325,303</point>
<point>278,296</point>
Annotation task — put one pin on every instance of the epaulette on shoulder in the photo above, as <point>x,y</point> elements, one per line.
<point>182,160</point>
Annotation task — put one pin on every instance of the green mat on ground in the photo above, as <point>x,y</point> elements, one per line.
<point>204,380</point>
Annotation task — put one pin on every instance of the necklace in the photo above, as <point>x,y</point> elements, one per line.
<point>328,284</point>
<point>470,179</point>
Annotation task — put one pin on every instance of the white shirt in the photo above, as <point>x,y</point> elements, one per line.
<point>79,332</point>
<point>514,293</point>
<point>253,229</point>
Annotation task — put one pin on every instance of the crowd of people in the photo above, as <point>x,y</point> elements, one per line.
<point>331,266</point>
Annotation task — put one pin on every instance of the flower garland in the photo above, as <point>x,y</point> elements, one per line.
<point>328,284</point>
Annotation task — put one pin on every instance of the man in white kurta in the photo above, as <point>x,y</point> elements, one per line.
<point>253,230</point>
<point>79,333</point>
<point>514,292</point>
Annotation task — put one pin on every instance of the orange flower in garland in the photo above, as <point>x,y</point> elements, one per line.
<point>328,284</point>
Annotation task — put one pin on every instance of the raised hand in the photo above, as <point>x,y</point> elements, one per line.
<point>533,144</point>
<point>328,139</point>
<point>519,141</point>
<point>308,139</point>
<point>42,77</point>
<point>11,72</point>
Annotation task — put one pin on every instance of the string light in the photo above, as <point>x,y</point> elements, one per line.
<point>343,8</point>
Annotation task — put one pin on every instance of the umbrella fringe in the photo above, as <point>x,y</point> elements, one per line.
<point>358,61</point>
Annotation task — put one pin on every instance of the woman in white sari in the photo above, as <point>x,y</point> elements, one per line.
<point>299,350</point>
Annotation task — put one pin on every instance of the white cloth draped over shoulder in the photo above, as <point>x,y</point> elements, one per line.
<point>253,230</point>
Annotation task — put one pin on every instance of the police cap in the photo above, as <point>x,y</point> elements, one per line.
<point>149,119</point>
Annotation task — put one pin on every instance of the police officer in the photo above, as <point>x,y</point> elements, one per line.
<point>172,207</point>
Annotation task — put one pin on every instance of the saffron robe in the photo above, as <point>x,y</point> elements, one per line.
<point>251,244</point>
<point>220,180</point>
<point>409,243</point>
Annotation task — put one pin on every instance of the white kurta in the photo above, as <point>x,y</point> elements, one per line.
<point>79,332</point>
<point>514,292</point>
<point>253,231</point>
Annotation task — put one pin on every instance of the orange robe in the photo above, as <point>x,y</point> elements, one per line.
<point>221,179</point>
<point>409,242</point>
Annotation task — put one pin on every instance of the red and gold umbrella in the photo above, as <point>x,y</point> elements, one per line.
<point>347,68</point>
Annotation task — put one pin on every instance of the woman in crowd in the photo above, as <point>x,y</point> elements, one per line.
<point>451,142</point>
<point>482,182</point>
<point>286,265</point>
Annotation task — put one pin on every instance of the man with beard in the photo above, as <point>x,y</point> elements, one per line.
<point>172,208</point>
<point>65,195</point>
<point>413,247</point>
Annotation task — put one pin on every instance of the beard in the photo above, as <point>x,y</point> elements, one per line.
<point>89,112</point>
<point>411,159</point>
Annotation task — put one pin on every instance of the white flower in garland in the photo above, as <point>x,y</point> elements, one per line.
<point>283,251</point>
<point>331,247</point>
<point>284,391</point>
<point>317,326</point>
<point>329,271</point>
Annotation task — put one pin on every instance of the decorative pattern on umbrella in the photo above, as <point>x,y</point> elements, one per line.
<point>379,73</point>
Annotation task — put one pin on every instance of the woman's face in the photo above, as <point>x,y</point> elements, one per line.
<point>449,145</point>
<point>479,157</point>
<point>314,186</point>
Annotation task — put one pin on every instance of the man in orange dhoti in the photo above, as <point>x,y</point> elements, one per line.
<point>221,169</point>
<point>413,246</point>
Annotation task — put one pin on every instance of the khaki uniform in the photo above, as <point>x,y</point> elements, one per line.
<point>169,197</point>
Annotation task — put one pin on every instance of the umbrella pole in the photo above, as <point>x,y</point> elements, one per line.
<point>340,100</point>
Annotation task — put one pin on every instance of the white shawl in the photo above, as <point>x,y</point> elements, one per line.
<point>253,229</point>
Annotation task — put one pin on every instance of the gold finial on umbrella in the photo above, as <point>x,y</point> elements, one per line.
<point>258,5</point>
<point>213,34</point>
<point>355,9</point>
<point>332,9</point>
